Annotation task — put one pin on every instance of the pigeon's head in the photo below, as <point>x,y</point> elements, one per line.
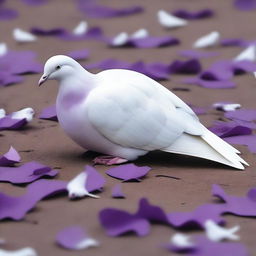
<point>58,67</point>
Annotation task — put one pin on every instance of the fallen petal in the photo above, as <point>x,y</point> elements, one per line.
<point>208,40</point>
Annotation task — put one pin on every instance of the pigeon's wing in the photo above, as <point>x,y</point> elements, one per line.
<point>132,110</point>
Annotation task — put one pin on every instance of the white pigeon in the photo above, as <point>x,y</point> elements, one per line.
<point>126,114</point>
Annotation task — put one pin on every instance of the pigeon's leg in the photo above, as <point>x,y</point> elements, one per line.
<point>109,160</point>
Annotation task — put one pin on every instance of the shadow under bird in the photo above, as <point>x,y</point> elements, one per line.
<point>124,114</point>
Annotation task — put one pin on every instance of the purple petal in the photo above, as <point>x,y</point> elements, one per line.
<point>151,213</point>
<point>228,129</point>
<point>152,42</point>
<point>242,114</point>
<point>223,84</point>
<point>26,173</point>
<point>47,32</point>
<point>118,222</point>
<point>7,123</point>
<point>49,113</point>
<point>128,172</point>
<point>245,5</point>
<point>92,33</point>
<point>20,62</point>
<point>197,54</point>
<point>94,10</point>
<point>17,207</point>
<point>108,64</point>
<point>206,247</point>
<point>10,158</point>
<point>199,110</point>
<point>79,54</point>
<point>200,14</point>
<point>233,42</point>
<point>95,181</point>
<point>8,14</point>
<point>117,191</point>
<point>192,66</point>
<point>74,238</point>
<point>246,140</point>
<point>242,206</point>
<point>197,217</point>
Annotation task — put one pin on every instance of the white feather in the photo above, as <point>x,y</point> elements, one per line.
<point>208,40</point>
<point>3,49</point>
<point>23,36</point>
<point>81,28</point>
<point>170,21</point>
<point>247,54</point>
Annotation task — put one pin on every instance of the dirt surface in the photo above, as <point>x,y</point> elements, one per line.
<point>44,141</point>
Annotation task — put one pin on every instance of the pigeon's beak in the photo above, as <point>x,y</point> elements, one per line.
<point>42,79</point>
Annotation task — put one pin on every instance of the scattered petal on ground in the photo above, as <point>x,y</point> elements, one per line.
<point>170,21</point>
<point>118,222</point>
<point>10,158</point>
<point>117,191</point>
<point>200,14</point>
<point>16,208</point>
<point>75,238</point>
<point>246,140</point>
<point>92,9</point>
<point>197,54</point>
<point>26,173</point>
<point>49,113</point>
<point>128,172</point>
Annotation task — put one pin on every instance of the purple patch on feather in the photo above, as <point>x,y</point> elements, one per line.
<point>128,172</point>
<point>49,113</point>
<point>26,173</point>
<point>10,158</point>
<point>16,208</point>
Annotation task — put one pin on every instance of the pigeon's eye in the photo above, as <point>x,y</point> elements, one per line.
<point>57,68</point>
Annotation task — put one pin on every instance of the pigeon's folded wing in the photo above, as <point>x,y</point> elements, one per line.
<point>138,115</point>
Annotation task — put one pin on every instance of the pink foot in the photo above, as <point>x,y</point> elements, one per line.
<point>109,160</point>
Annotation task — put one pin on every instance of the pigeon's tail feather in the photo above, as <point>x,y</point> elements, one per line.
<point>209,146</point>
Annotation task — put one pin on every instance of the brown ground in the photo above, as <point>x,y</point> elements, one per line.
<point>49,145</point>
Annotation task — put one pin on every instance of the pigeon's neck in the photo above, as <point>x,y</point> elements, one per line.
<point>74,89</point>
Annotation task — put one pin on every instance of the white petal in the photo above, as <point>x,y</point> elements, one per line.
<point>248,54</point>
<point>2,113</point>
<point>22,252</point>
<point>208,40</point>
<point>169,21</point>
<point>27,113</point>
<point>227,106</point>
<point>254,74</point>
<point>141,33</point>
<point>23,36</point>
<point>217,233</point>
<point>86,243</point>
<point>120,39</point>
<point>81,28</point>
<point>76,187</point>
<point>3,49</point>
<point>181,240</point>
